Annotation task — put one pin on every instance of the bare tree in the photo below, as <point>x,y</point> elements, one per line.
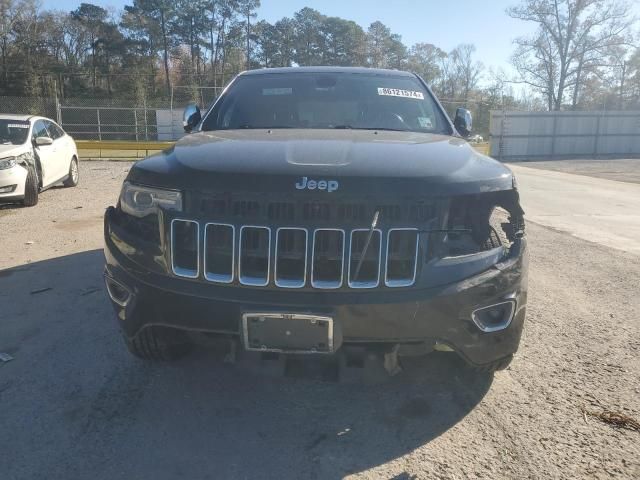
<point>572,36</point>
<point>458,73</point>
<point>424,59</point>
<point>632,85</point>
<point>467,71</point>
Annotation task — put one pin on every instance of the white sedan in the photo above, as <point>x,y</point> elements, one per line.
<point>35,154</point>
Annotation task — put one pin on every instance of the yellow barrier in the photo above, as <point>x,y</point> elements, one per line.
<point>119,149</point>
<point>482,147</point>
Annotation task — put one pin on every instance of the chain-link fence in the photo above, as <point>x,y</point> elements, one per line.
<point>150,120</point>
<point>46,107</point>
<point>86,122</point>
<point>104,119</point>
<point>203,96</point>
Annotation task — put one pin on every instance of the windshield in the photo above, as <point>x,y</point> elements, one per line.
<point>328,100</point>
<point>13,132</point>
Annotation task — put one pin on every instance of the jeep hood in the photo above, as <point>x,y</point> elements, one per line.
<point>362,161</point>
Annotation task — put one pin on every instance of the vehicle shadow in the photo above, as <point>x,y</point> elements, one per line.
<point>104,414</point>
<point>11,205</point>
<point>336,427</point>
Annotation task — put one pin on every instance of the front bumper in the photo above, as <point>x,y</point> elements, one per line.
<point>426,315</point>
<point>13,180</point>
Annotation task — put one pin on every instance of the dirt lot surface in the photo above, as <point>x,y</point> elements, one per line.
<point>75,405</point>
<point>621,170</point>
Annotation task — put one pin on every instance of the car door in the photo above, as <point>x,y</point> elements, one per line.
<point>46,154</point>
<point>61,150</point>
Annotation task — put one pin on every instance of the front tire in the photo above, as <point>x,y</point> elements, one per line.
<point>159,344</point>
<point>31,188</point>
<point>74,174</point>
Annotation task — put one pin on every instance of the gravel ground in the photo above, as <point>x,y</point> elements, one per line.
<point>65,221</point>
<point>622,170</point>
<point>74,404</point>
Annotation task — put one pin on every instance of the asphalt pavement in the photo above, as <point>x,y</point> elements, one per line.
<point>598,210</point>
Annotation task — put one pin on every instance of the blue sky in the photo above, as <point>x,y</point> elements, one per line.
<point>443,23</point>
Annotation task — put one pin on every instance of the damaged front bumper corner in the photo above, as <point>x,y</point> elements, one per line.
<point>12,182</point>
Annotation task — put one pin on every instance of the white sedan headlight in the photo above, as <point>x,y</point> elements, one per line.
<point>7,163</point>
<point>10,162</point>
<point>141,201</point>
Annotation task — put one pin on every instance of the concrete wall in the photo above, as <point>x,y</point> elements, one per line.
<point>539,135</point>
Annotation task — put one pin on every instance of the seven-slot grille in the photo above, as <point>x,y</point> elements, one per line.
<point>294,257</point>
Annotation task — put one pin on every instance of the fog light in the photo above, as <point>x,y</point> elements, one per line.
<point>117,292</point>
<point>494,317</point>
<point>8,189</point>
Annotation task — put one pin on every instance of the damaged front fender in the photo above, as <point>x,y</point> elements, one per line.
<point>26,159</point>
<point>479,232</point>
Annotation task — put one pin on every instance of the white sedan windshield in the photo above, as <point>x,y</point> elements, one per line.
<point>13,132</point>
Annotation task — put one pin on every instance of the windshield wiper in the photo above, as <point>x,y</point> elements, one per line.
<point>386,129</point>
<point>350,127</point>
<point>270,127</point>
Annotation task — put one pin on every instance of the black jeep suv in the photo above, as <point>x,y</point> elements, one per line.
<point>312,210</point>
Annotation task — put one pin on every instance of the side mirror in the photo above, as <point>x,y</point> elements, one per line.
<point>463,122</point>
<point>42,141</point>
<point>191,117</point>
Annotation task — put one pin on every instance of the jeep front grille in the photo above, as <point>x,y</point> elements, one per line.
<point>219,250</point>
<point>369,274</point>
<point>185,251</point>
<point>402,248</point>
<point>293,257</point>
<point>254,258</point>
<point>327,258</point>
<point>262,209</point>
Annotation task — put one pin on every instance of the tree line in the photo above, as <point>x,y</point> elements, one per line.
<point>581,56</point>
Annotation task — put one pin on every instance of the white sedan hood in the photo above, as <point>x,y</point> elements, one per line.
<point>12,150</point>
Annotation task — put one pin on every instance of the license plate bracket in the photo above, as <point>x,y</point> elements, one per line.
<point>288,333</point>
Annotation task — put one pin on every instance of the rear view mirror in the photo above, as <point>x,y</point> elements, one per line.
<point>42,141</point>
<point>463,122</point>
<point>191,117</point>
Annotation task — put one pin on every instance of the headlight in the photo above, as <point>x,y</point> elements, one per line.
<point>141,201</point>
<point>11,162</point>
<point>7,163</point>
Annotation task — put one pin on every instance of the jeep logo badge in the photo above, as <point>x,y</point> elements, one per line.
<point>308,184</point>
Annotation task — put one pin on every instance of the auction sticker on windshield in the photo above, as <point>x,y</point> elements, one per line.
<point>395,92</point>
<point>277,91</point>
